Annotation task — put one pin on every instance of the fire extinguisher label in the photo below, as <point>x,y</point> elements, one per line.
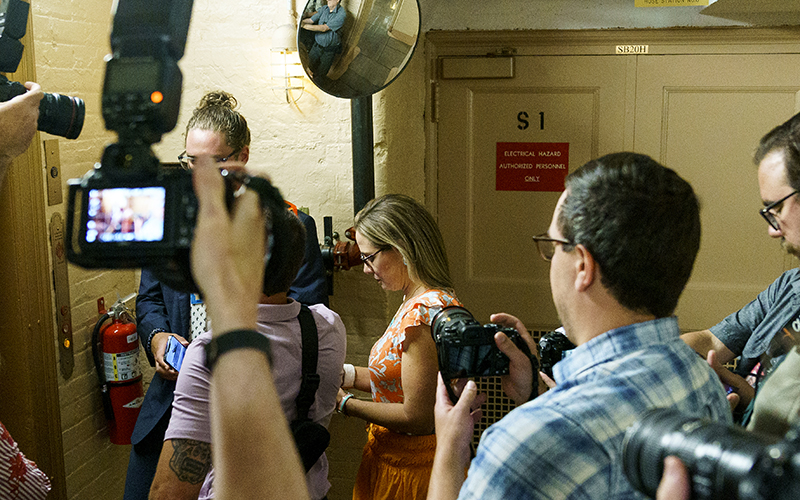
<point>132,338</point>
<point>136,403</point>
<point>122,366</point>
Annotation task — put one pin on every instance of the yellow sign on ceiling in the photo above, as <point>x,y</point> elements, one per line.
<point>670,3</point>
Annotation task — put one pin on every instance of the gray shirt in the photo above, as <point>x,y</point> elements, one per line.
<point>749,331</point>
<point>335,20</point>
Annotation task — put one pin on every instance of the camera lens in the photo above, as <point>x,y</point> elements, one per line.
<point>61,115</point>
<point>718,457</point>
<point>450,315</point>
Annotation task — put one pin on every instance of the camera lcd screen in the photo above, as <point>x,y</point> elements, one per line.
<point>474,361</point>
<point>133,76</point>
<point>125,214</point>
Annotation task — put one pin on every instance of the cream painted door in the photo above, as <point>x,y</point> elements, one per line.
<point>577,101</point>
<point>700,112</point>
<point>703,115</point>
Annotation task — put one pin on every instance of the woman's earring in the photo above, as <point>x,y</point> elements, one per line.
<point>404,262</point>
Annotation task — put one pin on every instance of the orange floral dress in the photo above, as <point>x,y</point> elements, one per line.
<point>395,465</point>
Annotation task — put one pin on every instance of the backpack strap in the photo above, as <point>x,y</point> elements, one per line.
<point>310,381</point>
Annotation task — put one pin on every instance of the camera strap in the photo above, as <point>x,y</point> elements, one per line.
<point>310,437</point>
<point>310,381</point>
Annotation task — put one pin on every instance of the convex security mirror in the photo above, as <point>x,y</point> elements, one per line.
<point>354,48</point>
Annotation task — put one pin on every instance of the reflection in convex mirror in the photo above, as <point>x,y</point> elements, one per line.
<point>354,48</point>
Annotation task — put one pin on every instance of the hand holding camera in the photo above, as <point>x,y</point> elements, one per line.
<point>468,349</point>
<point>455,422</point>
<point>228,255</point>
<point>522,382</point>
<point>58,114</point>
<point>18,119</point>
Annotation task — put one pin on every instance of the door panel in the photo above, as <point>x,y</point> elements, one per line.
<point>703,116</point>
<point>583,102</point>
<point>700,113</point>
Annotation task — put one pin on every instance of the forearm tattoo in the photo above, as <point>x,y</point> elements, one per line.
<point>191,460</point>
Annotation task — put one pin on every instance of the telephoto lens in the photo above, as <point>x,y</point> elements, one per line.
<point>724,462</point>
<point>59,115</point>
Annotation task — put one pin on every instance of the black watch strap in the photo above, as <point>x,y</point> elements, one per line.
<point>236,339</point>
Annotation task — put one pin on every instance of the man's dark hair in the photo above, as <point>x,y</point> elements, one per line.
<point>785,137</point>
<point>641,223</point>
<point>287,257</point>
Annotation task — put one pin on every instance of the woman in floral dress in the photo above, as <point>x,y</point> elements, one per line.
<point>402,248</point>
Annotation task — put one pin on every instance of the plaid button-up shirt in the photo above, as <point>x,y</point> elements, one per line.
<point>567,443</point>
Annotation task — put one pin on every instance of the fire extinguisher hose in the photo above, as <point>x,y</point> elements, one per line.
<point>98,364</point>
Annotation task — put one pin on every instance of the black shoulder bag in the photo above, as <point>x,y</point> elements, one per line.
<point>310,437</point>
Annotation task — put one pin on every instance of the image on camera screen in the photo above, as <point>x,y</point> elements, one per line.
<point>473,361</point>
<point>125,214</point>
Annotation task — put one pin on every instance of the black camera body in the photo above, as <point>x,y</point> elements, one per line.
<point>724,462</point>
<point>130,211</point>
<point>143,215</point>
<point>141,97</point>
<point>552,347</point>
<point>130,217</point>
<point>467,349</point>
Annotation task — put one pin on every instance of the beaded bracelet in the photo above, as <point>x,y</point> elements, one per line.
<point>149,347</point>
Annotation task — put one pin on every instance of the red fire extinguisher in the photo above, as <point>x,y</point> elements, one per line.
<point>115,347</point>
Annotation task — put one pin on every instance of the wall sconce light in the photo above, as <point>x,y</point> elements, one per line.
<point>287,71</point>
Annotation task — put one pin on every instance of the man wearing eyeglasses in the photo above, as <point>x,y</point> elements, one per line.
<point>621,246</point>
<point>218,130</point>
<point>750,331</point>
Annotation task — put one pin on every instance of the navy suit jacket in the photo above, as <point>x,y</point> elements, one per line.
<point>159,306</point>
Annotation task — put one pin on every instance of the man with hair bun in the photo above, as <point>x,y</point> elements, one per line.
<point>216,129</point>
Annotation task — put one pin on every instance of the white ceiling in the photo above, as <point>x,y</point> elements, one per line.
<point>600,14</point>
<point>762,12</point>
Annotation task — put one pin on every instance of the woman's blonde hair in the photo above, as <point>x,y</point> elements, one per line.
<point>217,112</point>
<point>400,222</point>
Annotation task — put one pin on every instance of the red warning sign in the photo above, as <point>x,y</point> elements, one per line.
<point>532,166</point>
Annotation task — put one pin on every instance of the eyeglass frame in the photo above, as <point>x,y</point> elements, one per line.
<point>545,238</point>
<point>184,159</point>
<point>367,259</point>
<point>769,216</point>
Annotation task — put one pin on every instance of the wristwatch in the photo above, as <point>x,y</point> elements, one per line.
<point>236,339</point>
